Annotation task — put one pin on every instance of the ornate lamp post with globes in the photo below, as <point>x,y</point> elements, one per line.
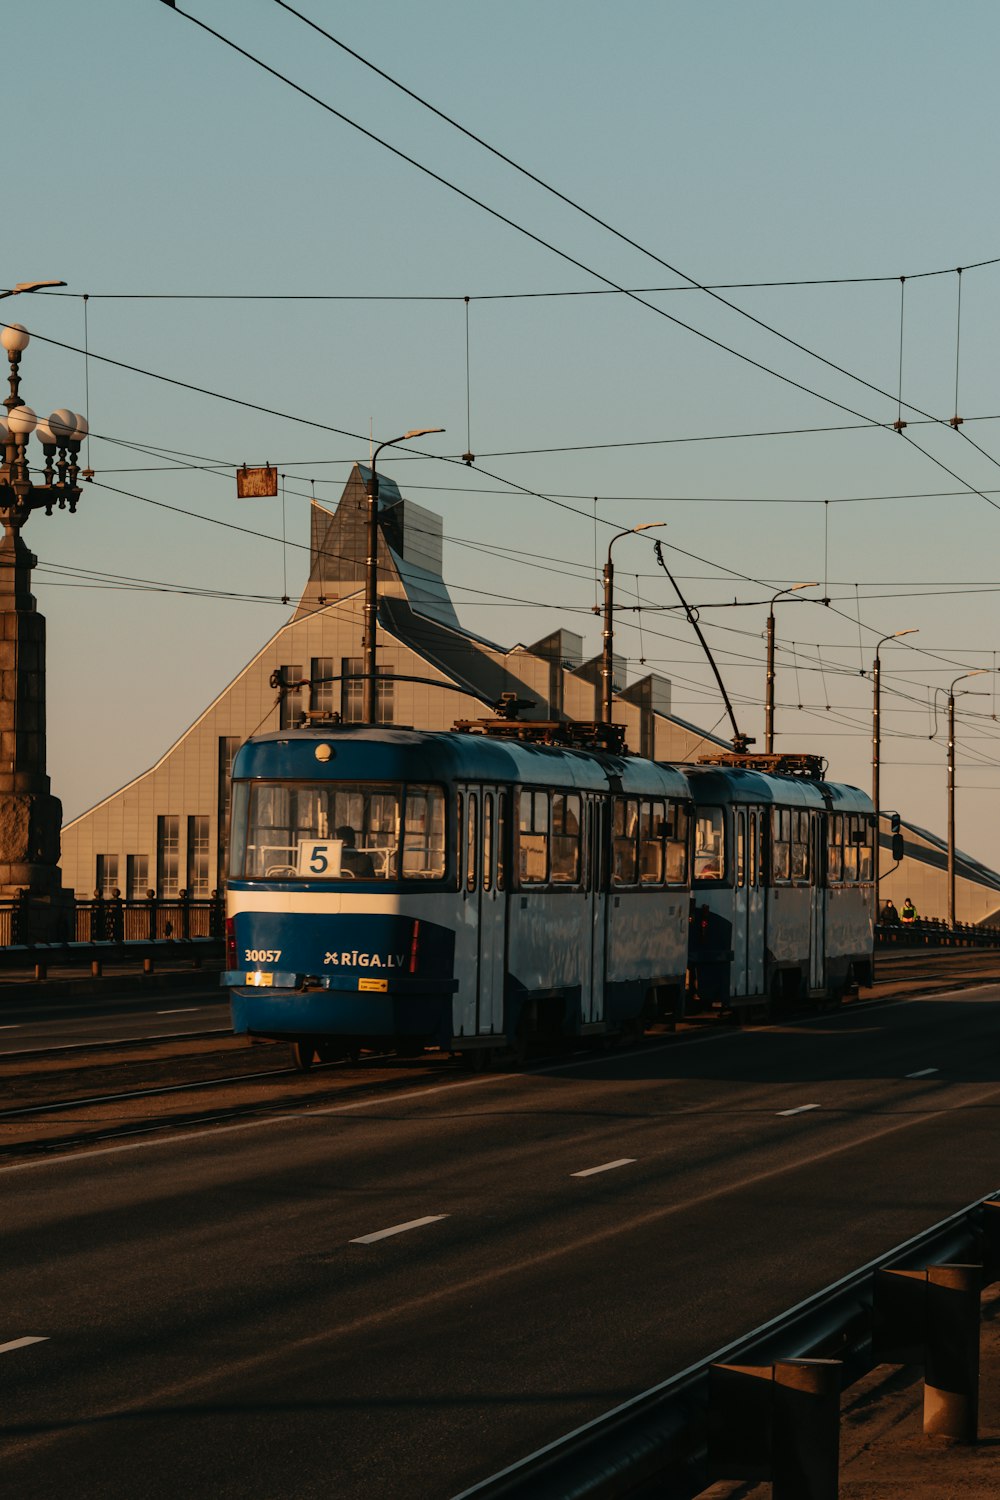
<point>30,817</point>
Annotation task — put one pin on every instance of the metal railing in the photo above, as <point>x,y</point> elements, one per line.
<point>25,921</point>
<point>934,932</point>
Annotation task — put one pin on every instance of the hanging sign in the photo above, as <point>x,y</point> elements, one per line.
<point>253,482</point>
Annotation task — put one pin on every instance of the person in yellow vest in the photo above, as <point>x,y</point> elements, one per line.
<point>909,913</point>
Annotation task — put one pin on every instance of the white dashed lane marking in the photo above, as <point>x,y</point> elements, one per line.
<point>609,1166</point>
<point>383,1234</point>
<point>23,1343</point>
<point>923,1073</point>
<point>799,1109</point>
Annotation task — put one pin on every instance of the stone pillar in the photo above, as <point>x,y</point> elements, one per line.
<point>30,817</point>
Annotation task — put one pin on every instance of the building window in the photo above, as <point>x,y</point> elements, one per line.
<point>352,689</point>
<point>197,855</point>
<point>352,692</point>
<point>168,855</point>
<point>107,874</point>
<point>228,746</point>
<point>291,698</point>
<point>383,697</point>
<point>321,700</point>
<point>136,876</point>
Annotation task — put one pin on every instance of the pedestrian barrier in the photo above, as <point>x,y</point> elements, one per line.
<point>932,932</point>
<point>26,920</point>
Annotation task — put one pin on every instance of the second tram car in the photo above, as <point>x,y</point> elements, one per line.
<point>782,884</point>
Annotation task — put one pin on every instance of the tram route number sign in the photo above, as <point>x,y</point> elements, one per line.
<point>251,483</point>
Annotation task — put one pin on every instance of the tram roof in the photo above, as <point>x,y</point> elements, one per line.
<point>365,753</point>
<point>734,784</point>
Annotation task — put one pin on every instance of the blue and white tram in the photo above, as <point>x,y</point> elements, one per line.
<point>393,887</point>
<point>782,885</point>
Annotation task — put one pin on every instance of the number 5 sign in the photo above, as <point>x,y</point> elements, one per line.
<point>320,858</point>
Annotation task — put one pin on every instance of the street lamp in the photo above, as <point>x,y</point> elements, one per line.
<point>30,286</point>
<point>29,830</point>
<point>769,709</point>
<point>951,790</point>
<point>609,627</point>
<point>876,747</point>
<point>371,588</point>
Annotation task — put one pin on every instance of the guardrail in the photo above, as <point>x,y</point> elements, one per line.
<point>660,1437</point>
<point>933,932</point>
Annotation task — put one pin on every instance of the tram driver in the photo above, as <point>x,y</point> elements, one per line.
<point>354,861</point>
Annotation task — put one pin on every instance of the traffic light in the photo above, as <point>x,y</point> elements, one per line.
<point>897,837</point>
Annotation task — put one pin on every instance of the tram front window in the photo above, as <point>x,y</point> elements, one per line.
<point>341,831</point>
<point>709,844</point>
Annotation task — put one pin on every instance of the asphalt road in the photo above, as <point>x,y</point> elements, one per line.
<point>49,1022</point>
<point>223,1314</point>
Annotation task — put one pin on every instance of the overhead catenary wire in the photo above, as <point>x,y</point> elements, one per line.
<point>575,205</point>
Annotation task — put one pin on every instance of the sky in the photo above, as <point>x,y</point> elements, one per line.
<point>268,278</point>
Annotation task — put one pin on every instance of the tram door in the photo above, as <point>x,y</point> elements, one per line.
<point>756,896</point>
<point>739,973</point>
<point>485,885</point>
<point>595,974</point>
<point>817,902</point>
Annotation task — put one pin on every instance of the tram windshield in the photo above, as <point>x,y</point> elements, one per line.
<point>337,831</point>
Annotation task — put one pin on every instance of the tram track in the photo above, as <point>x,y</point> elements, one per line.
<point>69,1097</point>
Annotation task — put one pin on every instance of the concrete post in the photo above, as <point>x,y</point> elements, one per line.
<point>805,1453</point>
<point>951,1371</point>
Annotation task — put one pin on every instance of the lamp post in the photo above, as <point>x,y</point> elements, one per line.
<point>876,748</point>
<point>31,816</point>
<point>951,791</point>
<point>371,587</point>
<point>769,707</point>
<point>608,636</point>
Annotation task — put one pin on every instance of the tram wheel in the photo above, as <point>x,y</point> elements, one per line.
<point>303,1054</point>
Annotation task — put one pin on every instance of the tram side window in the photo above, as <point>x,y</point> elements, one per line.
<point>470,864</point>
<point>850,851</point>
<point>624,831</point>
<point>533,837</point>
<point>676,834</point>
<point>800,847</point>
<point>237,828</point>
<point>741,847</point>
<point>835,849</point>
<point>781,845</point>
<point>857,848</point>
<point>487,841</point>
<point>652,822</point>
<point>709,844</point>
<point>501,837</point>
<point>565,838</point>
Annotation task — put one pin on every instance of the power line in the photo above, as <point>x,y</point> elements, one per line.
<point>580,265</point>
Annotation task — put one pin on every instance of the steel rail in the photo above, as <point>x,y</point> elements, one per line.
<point>658,1437</point>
